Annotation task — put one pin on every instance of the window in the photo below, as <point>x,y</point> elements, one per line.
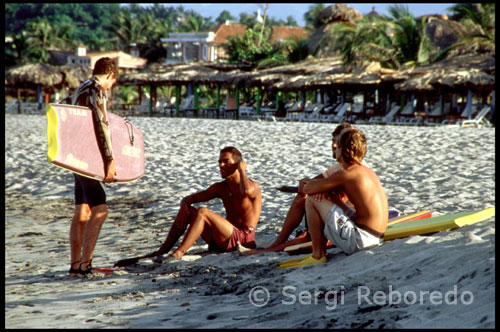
<point>205,52</point>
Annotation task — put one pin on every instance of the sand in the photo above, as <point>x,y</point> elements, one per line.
<point>445,280</point>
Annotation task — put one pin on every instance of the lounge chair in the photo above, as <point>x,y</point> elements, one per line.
<point>435,116</point>
<point>386,119</point>
<point>407,117</point>
<point>314,116</point>
<point>479,120</point>
<point>340,115</point>
<point>458,119</point>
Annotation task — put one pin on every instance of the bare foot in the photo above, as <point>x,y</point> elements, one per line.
<point>178,254</point>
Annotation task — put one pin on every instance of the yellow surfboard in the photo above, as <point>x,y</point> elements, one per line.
<point>401,227</point>
<point>436,224</point>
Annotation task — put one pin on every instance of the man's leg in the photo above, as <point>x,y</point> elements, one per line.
<point>91,233</point>
<point>317,212</point>
<point>292,219</point>
<point>211,225</point>
<point>80,218</point>
<point>182,220</point>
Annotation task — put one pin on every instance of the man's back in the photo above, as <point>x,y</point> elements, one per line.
<point>364,190</point>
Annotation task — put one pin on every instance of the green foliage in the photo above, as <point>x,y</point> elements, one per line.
<point>247,49</point>
<point>312,16</point>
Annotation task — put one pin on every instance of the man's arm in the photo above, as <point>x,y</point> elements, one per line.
<point>322,185</point>
<point>98,104</point>
<point>202,196</point>
<point>247,186</point>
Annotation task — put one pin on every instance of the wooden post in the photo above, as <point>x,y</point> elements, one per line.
<point>259,99</point>
<point>177,99</point>
<point>237,102</point>
<point>196,100</point>
<point>218,100</point>
<point>39,96</point>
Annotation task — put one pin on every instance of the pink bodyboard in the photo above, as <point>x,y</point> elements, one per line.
<point>72,143</point>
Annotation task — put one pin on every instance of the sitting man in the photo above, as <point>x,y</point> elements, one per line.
<point>298,207</point>
<point>242,201</point>
<point>350,229</point>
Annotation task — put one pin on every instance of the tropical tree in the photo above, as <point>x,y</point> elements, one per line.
<point>312,17</point>
<point>126,30</point>
<point>392,40</point>
<point>223,17</point>
<point>246,50</point>
<point>41,36</point>
<point>478,20</point>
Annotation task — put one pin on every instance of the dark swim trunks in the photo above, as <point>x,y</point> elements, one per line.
<point>88,191</point>
<point>245,237</point>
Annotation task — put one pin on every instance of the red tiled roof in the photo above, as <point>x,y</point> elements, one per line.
<point>288,33</point>
<point>223,31</point>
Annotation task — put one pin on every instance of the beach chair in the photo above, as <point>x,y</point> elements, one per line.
<point>355,112</point>
<point>458,119</point>
<point>187,105</point>
<point>248,110</point>
<point>406,117</point>
<point>314,116</point>
<point>340,113</point>
<point>479,120</point>
<point>386,119</point>
<point>435,116</point>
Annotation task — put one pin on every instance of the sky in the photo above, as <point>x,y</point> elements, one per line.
<point>297,10</point>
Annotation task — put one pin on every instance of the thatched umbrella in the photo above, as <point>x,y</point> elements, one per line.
<point>36,76</point>
<point>339,12</point>
<point>74,76</point>
<point>30,75</point>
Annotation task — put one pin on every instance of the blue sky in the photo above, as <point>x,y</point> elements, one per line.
<point>297,10</point>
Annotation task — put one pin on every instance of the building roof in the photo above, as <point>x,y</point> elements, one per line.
<point>282,33</point>
<point>223,31</point>
<point>125,60</point>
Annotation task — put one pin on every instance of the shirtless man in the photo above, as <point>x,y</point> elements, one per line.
<point>242,201</point>
<point>298,207</point>
<point>350,229</point>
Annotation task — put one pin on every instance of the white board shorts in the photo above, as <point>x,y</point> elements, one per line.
<point>344,234</point>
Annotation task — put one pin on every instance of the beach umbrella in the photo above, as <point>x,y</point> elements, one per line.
<point>36,76</point>
<point>339,12</point>
<point>30,75</point>
<point>74,76</point>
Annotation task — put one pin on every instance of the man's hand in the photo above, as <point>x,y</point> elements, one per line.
<point>302,184</point>
<point>111,172</point>
<point>242,167</point>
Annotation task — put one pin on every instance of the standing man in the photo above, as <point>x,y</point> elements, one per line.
<point>242,201</point>
<point>90,196</point>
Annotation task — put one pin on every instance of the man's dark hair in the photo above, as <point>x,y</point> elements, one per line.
<point>104,66</point>
<point>341,127</point>
<point>234,151</point>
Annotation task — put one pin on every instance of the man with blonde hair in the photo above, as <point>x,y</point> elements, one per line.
<point>350,229</point>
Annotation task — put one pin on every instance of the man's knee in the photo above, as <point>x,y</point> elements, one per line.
<point>203,212</point>
<point>310,202</point>
<point>300,199</point>
<point>100,211</point>
<point>82,213</point>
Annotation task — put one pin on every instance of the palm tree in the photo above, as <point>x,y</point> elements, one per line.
<point>369,39</point>
<point>478,20</point>
<point>126,30</point>
<point>312,17</point>
<point>391,40</point>
<point>41,36</point>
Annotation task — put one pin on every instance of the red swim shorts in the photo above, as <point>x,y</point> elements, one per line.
<point>245,237</point>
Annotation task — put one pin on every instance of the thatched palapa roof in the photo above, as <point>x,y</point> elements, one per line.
<point>30,75</point>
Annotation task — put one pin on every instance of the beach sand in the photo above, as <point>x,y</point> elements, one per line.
<point>445,280</point>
